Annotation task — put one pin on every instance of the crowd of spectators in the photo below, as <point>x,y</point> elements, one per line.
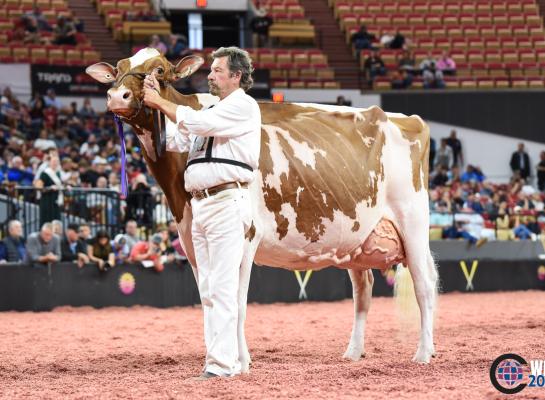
<point>431,69</point>
<point>463,204</point>
<point>76,244</point>
<point>34,28</point>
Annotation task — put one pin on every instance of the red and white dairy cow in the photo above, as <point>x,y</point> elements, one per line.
<point>336,186</point>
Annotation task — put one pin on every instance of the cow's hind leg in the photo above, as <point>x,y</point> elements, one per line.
<point>424,275</point>
<point>362,288</point>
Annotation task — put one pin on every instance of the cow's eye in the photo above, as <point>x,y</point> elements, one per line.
<point>160,70</point>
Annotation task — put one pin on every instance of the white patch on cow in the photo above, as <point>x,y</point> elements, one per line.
<point>280,162</point>
<point>302,150</point>
<point>146,140</point>
<point>299,190</point>
<point>206,100</point>
<point>368,141</point>
<point>142,56</point>
<point>324,198</point>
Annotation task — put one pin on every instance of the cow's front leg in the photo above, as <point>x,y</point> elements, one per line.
<point>362,288</point>
<point>250,248</point>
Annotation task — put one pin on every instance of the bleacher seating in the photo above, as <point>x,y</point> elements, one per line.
<point>296,68</point>
<point>12,50</point>
<point>495,43</point>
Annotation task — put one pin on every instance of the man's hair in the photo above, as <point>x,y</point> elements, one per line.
<point>12,223</point>
<point>238,60</point>
<point>47,226</point>
<point>73,227</point>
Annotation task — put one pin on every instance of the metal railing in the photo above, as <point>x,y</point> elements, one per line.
<point>101,209</point>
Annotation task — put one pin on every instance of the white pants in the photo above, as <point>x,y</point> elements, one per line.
<point>219,225</point>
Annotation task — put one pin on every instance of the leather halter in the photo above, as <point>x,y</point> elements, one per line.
<point>159,125</point>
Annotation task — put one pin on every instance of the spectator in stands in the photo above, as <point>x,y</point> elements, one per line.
<point>398,41</point>
<point>444,155</point>
<point>386,39</point>
<point>158,44</point>
<point>427,62</point>
<point>73,248</point>
<point>31,31</point>
<point>472,174</point>
<point>362,40</point>
<point>65,32</point>
<point>148,253</point>
<point>37,14</point>
<point>440,178</point>
<point>441,217</point>
<point>51,185</point>
<point>84,233</point>
<point>177,47</point>
<point>433,78</point>
<point>457,154</point>
<point>13,245</point>
<point>100,251</point>
<point>259,25</point>
<point>520,162</point>
<point>541,172</point>
<point>51,100</point>
<point>56,225</point>
<point>172,231</point>
<point>87,110</point>
<point>18,174</point>
<point>407,62</point>
<point>341,101</point>
<point>402,79</point>
<point>121,249</point>
<point>140,202</point>
<point>373,67</point>
<point>43,247</point>
<point>131,233</point>
<point>446,64</point>
<point>90,148</point>
<point>44,142</point>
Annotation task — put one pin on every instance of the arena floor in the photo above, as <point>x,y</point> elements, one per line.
<point>146,353</point>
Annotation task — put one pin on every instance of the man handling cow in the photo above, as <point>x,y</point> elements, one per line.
<point>223,144</point>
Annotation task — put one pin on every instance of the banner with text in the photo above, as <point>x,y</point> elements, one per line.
<point>66,81</point>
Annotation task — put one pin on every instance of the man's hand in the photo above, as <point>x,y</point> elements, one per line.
<point>152,98</point>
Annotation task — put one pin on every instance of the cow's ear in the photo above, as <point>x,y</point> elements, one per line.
<point>102,72</point>
<point>187,65</point>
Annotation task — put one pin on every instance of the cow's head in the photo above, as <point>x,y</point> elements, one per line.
<point>125,96</point>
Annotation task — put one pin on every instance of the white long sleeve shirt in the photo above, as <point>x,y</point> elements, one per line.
<point>234,127</point>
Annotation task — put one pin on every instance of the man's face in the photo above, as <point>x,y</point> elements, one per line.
<point>221,81</point>
<point>72,235</point>
<point>16,230</point>
<point>131,228</point>
<point>84,232</point>
<point>46,234</point>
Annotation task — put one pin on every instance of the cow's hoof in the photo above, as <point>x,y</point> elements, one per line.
<point>353,355</point>
<point>423,356</point>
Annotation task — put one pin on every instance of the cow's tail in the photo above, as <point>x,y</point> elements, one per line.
<point>405,300</point>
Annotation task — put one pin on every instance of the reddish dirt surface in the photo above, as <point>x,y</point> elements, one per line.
<point>146,353</point>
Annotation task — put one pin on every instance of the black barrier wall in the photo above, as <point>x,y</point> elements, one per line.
<point>512,113</point>
<point>26,288</point>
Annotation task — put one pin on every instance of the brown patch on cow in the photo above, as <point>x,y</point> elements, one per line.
<point>415,130</point>
<point>356,226</point>
<point>250,234</point>
<point>349,173</point>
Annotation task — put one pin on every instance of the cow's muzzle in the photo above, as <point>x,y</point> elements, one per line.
<point>121,101</point>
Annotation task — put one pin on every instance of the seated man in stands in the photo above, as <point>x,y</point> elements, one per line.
<point>73,249</point>
<point>65,32</point>
<point>362,40</point>
<point>18,174</point>
<point>43,247</point>
<point>121,249</point>
<point>260,24</point>
<point>401,79</point>
<point>433,77</point>
<point>373,67</point>
<point>13,246</point>
<point>149,253</point>
<point>176,47</point>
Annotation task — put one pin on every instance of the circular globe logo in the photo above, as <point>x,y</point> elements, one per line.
<point>541,273</point>
<point>507,373</point>
<point>127,283</point>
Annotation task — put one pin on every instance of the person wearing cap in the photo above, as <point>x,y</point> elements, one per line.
<point>148,253</point>
<point>120,248</point>
<point>224,143</point>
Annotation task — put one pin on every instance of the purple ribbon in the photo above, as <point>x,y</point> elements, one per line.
<point>123,156</point>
